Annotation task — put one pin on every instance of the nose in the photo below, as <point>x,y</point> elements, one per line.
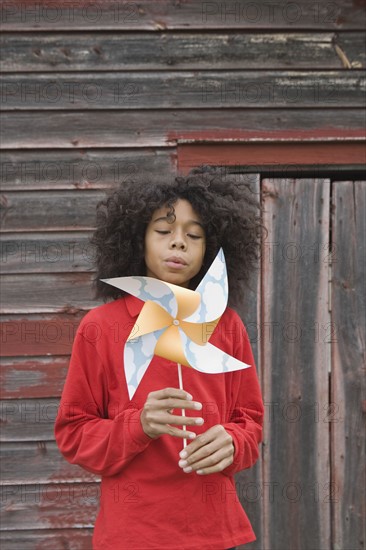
<point>178,241</point>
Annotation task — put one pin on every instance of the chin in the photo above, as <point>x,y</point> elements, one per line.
<point>171,278</point>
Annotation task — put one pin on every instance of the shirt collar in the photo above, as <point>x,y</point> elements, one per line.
<point>134,305</point>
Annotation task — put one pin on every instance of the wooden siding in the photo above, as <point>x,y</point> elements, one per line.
<point>296,359</point>
<point>134,128</point>
<point>144,51</point>
<point>348,391</point>
<point>182,14</point>
<point>98,169</point>
<point>94,94</point>
<point>188,89</point>
<point>304,424</point>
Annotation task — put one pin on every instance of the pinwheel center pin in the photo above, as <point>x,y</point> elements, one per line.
<point>176,322</point>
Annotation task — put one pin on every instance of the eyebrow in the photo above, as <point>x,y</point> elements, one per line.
<point>190,222</point>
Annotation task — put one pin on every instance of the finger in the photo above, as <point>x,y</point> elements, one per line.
<point>203,452</point>
<point>201,441</point>
<point>167,418</point>
<point>214,469</point>
<point>164,429</point>
<point>170,392</point>
<point>171,403</point>
<point>214,434</point>
<point>208,461</point>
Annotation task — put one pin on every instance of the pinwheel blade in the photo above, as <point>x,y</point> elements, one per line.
<point>147,288</point>
<point>137,356</point>
<point>199,332</point>
<point>188,300</point>
<point>152,317</point>
<point>214,292</point>
<point>209,358</point>
<point>170,346</point>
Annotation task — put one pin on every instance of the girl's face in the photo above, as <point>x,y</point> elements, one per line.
<point>174,252</point>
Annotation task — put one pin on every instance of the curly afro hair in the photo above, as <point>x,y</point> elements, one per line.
<point>228,209</point>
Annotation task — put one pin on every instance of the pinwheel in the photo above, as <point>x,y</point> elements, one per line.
<point>176,323</point>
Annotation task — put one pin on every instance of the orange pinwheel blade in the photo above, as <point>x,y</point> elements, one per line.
<point>170,346</point>
<point>152,317</point>
<point>200,333</point>
<point>187,300</point>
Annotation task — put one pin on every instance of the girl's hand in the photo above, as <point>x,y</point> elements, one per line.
<point>210,452</point>
<point>157,417</point>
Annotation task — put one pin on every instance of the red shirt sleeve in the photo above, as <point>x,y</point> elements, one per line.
<point>245,425</point>
<point>84,433</point>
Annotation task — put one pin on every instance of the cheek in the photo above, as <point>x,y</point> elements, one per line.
<point>151,251</point>
<point>203,250</point>
<point>147,244</point>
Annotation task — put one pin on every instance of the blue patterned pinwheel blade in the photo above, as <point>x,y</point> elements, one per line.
<point>214,292</point>
<point>138,354</point>
<point>209,358</point>
<point>147,288</point>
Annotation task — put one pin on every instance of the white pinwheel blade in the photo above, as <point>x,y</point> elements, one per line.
<point>147,288</point>
<point>138,354</point>
<point>209,358</point>
<point>214,291</point>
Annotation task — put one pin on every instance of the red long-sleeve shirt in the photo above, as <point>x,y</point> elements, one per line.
<point>147,501</point>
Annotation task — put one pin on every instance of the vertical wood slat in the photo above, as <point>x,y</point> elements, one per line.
<point>348,365</point>
<point>296,357</point>
<point>248,482</point>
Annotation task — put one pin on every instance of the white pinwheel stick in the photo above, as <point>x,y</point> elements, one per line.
<point>183,411</point>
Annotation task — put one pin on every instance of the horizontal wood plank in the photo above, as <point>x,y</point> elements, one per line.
<point>84,169</point>
<point>190,14</point>
<point>178,50</point>
<point>34,336</point>
<point>28,130</point>
<point>348,368</point>
<point>45,252</point>
<point>45,464</point>
<point>279,156</point>
<point>187,89</point>
<point>28,419</point>
<point>47,293</point>
<point>58,211</point>
<point>46,539</point>
<point>39,377</point>
<point>66,505</point>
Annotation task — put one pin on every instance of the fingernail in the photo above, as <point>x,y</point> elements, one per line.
<point>183,454</point>
<point>187,470</point>
<point>199,421</point>
<point>199,472</point>
<point>182,463</point>
<point>192,435</point>
<point>189,397</point>
<point>197,405</point>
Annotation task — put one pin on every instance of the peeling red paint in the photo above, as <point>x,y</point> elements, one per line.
<point>261,154</point>
<point>45,336</point>
<point>33,379</point>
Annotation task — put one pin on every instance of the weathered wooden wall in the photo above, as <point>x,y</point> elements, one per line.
<point>94,94</point>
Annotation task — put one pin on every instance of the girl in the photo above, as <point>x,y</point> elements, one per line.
<point>154,495</point>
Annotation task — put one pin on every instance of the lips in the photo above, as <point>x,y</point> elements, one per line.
<point>176,260</point>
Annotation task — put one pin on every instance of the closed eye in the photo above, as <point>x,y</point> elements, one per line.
<point>194,237</point>
<point>161,232</point>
